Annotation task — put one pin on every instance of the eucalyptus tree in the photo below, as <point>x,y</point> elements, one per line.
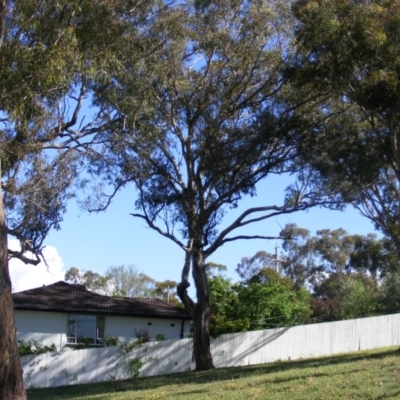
<point>211,125</point>
<point>213,269</point>
<point>166,291</point>
<point>349,54</point>
<point>250,266</point>
<point>309,259</point>
<point>130,281</point>
<point>374,257</point>
<point>390,295</point>
<point>298,256</point>
<point>49,53</point>
<point>92,281</point>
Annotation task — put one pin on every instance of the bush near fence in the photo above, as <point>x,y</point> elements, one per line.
<point>237,349</point>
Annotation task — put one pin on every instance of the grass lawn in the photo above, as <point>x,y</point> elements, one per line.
<point>363,375</point>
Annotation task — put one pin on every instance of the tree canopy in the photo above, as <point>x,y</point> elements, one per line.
<point>348,53</point>
<point>348,276</point>
<point>124,281</point>
<point>266,300</point>
<point>50,54</point>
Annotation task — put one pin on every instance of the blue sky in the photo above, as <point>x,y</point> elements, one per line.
<point>98,241</point>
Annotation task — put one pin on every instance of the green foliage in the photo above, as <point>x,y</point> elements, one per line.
<point>224,302</point>
<point>353,296</point>
<point>213,269</point>
<point>160,337</point>
<point>124,281</point>
<point>391,293</point>
<point>324,310</point>
<point>92,280</point>
<point>266,300</point>
<point>334,248</point>
<point>307,259</point>
<point>273,304</point>
<point>119,293</point>
<point>250,266</point>
<point>348,57</point>
<point>373,256</point>
<point>50,53</point>
<point>84,343</point>
<point>142,335</point>
<point>358,299</point>
<point>166,290</point>
<point>129,281</point>
<point>135,366</point>
<point>268,276</point>
<point>34,347</point>
<point>128,347</point>
<point>111,341</point>
<point>297,261</point>
<point>220,325</point>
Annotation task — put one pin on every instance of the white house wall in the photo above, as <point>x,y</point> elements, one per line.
<point>44,327</point>
<point>50,327</point>
<point>124,327</point>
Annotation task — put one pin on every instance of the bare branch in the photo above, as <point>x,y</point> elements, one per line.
<point>110,197</point>
<point>160,231</point>
<point>252,237</point>
<point>239,222</point>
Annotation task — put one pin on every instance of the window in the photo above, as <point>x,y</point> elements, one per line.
<point>85,329</point>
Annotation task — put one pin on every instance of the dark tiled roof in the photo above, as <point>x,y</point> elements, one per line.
<point>62,296</point>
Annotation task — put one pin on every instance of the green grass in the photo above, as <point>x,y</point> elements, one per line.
<point>363,375</point>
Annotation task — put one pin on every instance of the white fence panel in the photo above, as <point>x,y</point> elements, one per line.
<point>169,356</point>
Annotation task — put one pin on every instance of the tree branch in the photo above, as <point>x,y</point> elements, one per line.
<point>153,226</point>
<point>184,284</point>
<point>252,237</point>
<point>238,223</point>
<point>26,260</point>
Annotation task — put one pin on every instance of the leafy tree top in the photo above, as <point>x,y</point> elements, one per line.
<point>199,127</point>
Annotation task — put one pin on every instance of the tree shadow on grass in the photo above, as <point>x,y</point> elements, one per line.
<point>221,374</point>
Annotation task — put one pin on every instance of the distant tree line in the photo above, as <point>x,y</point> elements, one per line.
<point>124,281</point>
<point>327,277</point>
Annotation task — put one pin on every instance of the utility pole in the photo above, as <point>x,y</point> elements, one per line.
<point>277,260</point>
<point>167,293</point>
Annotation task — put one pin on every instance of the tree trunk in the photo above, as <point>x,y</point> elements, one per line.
<point>11,382</point>
<point>201,339</point>
<point>201,317</point>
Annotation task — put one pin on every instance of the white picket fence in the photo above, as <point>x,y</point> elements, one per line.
<point>238,349</point>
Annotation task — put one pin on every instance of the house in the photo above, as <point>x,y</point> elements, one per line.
<point>68,314</point>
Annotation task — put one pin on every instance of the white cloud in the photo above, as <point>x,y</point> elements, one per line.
<point>26,276</point>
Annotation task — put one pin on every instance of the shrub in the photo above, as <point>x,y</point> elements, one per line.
<point>111,341</point>
<point>34,347</point>
<point>142,335</point>
<point>134,366</point>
